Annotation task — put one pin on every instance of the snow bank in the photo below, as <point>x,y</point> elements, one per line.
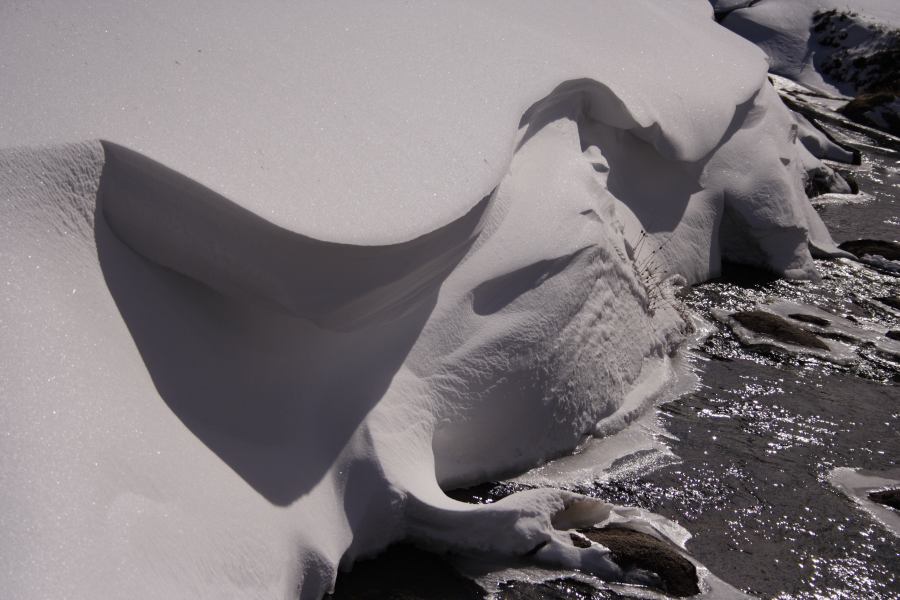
<point>803,46</point>
<point>350,256</point>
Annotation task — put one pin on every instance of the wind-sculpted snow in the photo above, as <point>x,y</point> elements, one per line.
<point>351,121</point>
<point>206,403</point>
<point>206,398</point>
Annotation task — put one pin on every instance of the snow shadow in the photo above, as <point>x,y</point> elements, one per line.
<point>269,346</point>
<point>641,171</point>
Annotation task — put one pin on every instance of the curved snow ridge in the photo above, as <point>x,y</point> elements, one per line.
<point>180,224</point>
<point>600,102</point>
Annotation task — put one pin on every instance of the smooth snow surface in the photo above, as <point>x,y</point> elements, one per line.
<point>335,257</point>
<point>352,121</point>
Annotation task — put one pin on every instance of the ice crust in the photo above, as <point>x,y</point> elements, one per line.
<point>856,484</point>
<point>360,255</point>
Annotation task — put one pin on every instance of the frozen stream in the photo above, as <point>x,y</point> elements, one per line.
<point>756,441</point>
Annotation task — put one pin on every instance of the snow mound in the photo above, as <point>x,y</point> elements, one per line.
<point>221,383</point>
<point>837,47</point>
<point>351,122</point>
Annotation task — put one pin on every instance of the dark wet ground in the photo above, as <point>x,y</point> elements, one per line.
<point>756,441</point>
<point>879,176</point>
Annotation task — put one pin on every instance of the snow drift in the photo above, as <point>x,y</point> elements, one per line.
<point>228,375</point>
<point>837,47</point>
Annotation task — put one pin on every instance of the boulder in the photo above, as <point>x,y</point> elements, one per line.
<point>887,497</point>
<point>635,550</point>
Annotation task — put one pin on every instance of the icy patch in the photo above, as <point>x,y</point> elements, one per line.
<point>857,484</point>
<point>836,327</point>
<point>841,199</point>
<point>881,263</point>
<point>844,338</point>
<point>838,352</point>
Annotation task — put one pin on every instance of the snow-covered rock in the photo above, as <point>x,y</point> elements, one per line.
<point>831,45</point>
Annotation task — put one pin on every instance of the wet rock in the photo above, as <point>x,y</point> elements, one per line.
<point>823,180</point>
<point>811,319</point>
<point>878,110</point>
<point>403,572</point>
<point>765,323</point>
<point>559,589</point>
<point>850,178</point>
<point>636,550</point>
<point>889,250</point>
<point>887,497</point>
<point>892,301</point>
<point>893,334</point>
<point>486,493</point>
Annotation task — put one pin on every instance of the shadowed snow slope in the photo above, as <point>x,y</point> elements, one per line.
<point>212,388</point>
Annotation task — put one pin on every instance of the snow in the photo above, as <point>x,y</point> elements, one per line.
<point>332,258</point>
<point>784,30</point>
<point>322,119</point>
<point>856,484</point>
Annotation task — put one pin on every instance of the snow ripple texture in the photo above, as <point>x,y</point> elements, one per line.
<point>205,400</point>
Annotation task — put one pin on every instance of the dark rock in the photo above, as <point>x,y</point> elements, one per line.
<point>811,319</point>
<point>892,301</point>
<point>889,250</point>
<point>635,550</point>
<point>780,329</point>
<point>893,334</point>
<point>817,118</point>
<point>823,180</point>
<point>850,178</point>
<point>862,108</point>
<point>403,572</point>
<point>579,541</point>
<point>485,493</point>
<point>887,497</point>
